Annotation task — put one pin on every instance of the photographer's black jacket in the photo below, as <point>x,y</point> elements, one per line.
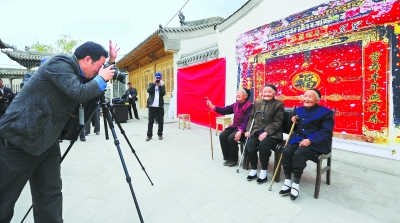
<point>152,90</point>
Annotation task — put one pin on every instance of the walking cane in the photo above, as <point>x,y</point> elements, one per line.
<point>244,148</point>
<point>280,158</point>
<point>209,124</point>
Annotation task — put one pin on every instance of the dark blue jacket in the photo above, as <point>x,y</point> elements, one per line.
<point>316,124</point>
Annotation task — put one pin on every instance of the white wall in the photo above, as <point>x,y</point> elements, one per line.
<point>265,12</point>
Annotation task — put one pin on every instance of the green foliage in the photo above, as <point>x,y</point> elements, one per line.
<point>65,44</point>
<point>42,47</point>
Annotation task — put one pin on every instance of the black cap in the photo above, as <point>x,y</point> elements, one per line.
<point>91,49</point>
<point>317,91</point>
<point>271,86</point>
<point>247,92</point>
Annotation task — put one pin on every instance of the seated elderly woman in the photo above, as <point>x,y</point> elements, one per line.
<point>235,132</point>
<point>266,132</point>
<point>312,137</point>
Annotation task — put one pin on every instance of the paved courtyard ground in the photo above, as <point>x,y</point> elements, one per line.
<point>191,187</point>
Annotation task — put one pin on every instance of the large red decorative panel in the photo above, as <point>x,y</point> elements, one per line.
<point>376,93</point>
<point>336,71</point>
<point>197,82</point>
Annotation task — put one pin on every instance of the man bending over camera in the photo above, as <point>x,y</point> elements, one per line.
<point>29,131</point>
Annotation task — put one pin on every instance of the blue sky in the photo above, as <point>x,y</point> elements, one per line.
<point>126,22</point>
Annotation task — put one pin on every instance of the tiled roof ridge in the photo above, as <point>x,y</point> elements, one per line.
<point>203,21</point>
<point>27,55</point>
<point>4,45</point>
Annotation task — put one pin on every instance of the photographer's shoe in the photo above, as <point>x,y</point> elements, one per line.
<point>97,133</point>
<point>160,138</point>
<point>148,138</point>
<point>138,118</point>
<point>83,139</point>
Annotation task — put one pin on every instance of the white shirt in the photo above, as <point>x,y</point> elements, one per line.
<point>156,101</point>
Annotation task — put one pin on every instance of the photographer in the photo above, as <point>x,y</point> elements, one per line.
<point>131,96</point>
<point>29,131</point>
<point>155,103</point>
<point>6,97</point>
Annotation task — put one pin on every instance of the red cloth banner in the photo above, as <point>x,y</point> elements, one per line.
<point>197,82</point>
<point>376,94</point>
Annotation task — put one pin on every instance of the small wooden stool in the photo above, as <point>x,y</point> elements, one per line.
<point>184,117</point>
<point>222,121</point>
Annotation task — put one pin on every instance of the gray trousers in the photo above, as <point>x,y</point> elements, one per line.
<point>43,173</point>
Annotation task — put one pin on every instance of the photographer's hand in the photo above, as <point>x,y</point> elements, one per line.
<point>106,73</point>
<point>113,52</point>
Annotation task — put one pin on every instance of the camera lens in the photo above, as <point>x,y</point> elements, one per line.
<point>119,76</point>
<point>157,81</point>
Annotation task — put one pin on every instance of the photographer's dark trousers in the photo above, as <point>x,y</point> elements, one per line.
<point>133,104</point>
<point>294,159</point>
<point>43,173</point>
<point>263,148</point>
<point>229,146</point>
<point>160,115</point>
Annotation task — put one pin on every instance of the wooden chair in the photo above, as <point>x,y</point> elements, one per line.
<point>185,118</point>
<point>320,170</point>
<point>222,120</point>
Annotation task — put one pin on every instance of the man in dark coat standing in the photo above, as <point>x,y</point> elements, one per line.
<point>155,103</point>
<point>30,129</point>
<point>131,95</point>
<point>6,97</point>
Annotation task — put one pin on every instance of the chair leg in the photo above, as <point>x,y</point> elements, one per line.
<point>328,172</point>
<point>318,178</point>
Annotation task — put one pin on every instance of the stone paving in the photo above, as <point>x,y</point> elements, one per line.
<point>191,187</point>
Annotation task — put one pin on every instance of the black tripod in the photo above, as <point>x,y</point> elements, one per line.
<point>107,113</point>
<point>107,117</point>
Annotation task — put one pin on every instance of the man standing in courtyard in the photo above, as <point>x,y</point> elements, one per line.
<point>131,96</point>
<point>6,96</point>
<point>30,129</point>
<point>155,103</point>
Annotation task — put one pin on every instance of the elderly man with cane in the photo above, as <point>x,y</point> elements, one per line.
<point>312,137</point>
<point>266,133</point>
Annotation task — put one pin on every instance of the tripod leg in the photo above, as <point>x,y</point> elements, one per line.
<point>130,145</point>
<point>107,112</point>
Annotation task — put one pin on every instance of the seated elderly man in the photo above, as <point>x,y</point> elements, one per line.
<point>312,137</point>
<point>266,132</point>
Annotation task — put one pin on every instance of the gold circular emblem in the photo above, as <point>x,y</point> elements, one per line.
<point>306,80</point>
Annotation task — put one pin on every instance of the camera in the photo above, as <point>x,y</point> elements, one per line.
<point>118,75</point>
<point>158,81</point>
